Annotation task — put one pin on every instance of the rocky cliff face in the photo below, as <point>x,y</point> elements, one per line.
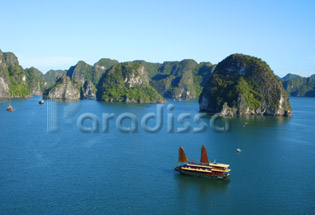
<point>89,90</point>
<point>4,87</point>
<point>35,81</point>
<point>65,89</point>
<point>51,76</point>
<point>180,80</point>
<point>76,82</point>
<point>127,82</point>
<point>4,80</point>
<point>13,79</point>
<point>244,85</point>
<point>100,68</point>
<point>81,72</point>
<point>299,86</point>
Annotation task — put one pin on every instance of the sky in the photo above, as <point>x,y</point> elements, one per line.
<point>56,34</point>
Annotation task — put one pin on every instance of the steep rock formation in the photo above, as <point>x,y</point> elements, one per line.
<point>100,68</point>
<point>89,89</point>
<point>244,85</point>
<point>127,82</point>
<point>4,77</point>
<point>81,72</point>
<point>290,76</point>
<point>51,76</point>
<point>35,81</point>
<point>299,86</point>
<point>180,80</point>
<point>13,79</point>
<point>65,89</point>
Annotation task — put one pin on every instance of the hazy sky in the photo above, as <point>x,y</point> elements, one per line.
<point>56,34</point>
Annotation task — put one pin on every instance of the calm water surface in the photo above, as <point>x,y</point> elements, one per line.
<point>70,172</point>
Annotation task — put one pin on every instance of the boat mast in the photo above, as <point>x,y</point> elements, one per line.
<point>9,99</point>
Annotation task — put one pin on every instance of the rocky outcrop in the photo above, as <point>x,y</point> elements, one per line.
<point>100,68</point>
<point>65,89</point>
<point>180,80</point>
<point>186,87</point>
<point>244,85</point>
<point>4,80</point>
<point>11,59</point>
<point>299,86</point>
<point>4,87</point>
<point>127,82</point>
<point>290,76</point>
<point>89,90</point>
<point>51,76</point>
<point>13,79</point>
<point>35,81</point>
<point>81,72</point>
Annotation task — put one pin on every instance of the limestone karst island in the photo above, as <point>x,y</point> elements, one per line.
<point>238,85</point>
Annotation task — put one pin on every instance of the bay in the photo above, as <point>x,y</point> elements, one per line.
<point>71,172</point>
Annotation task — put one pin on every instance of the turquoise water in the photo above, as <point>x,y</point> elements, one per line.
<point>70,172</point>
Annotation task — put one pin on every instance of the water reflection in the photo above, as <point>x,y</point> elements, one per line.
<point>205,192</point>
<point>262,120</point>
<point>204,185</point>
<point>241,122</point>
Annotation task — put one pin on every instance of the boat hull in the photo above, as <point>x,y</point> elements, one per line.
<point>200,174</point>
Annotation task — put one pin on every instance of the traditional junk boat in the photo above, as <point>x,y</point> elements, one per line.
<point>202,169</point>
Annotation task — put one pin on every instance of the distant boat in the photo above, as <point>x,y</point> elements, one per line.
<point>202,169</point>
<point>41,102</point>
<point>238,150</point>
<point>9,108</point>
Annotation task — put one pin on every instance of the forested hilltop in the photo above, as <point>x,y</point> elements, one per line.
<point>109,80</point>
<point>296,85</point>
<point>17,82</point>
<point>244,85</point>
<point>178,80</point>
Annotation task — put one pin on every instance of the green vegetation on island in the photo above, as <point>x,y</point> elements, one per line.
<point>35,81</point>
<point>244,85</point>
<point>127,82</point>
<point>52,75</point>
<point>65,89</point>
<point>181,80</point>
<point>299,86</point>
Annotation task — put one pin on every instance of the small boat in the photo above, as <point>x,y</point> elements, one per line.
<point>41,102</point>
<point>9,108</point>
<point>204,168</point>
<point>238,150</point>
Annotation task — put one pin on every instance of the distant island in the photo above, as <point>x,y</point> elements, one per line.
<point>127,82</point>
<point>296,85</point>
<point>111,81</point>
<point>179,80</point>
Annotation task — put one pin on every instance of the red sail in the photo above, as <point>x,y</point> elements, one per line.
<point>204,156</point>
<point>182,156</point>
